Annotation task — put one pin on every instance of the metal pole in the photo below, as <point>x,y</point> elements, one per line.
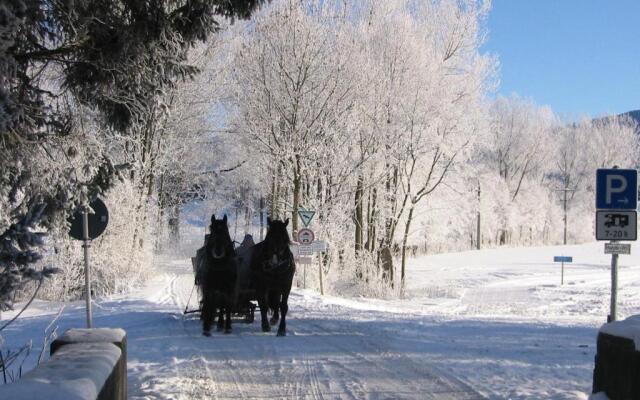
<point>87,276</point>
<point>304,276</point>
<point>614,282</point>
<point>614,287</point>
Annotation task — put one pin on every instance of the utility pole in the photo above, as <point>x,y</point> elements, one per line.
<point>564,206</point>
<point>565,200</point>
<point>478,220</point>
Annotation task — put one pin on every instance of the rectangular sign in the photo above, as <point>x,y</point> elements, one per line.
<point>304,260</point>
<point>305,250</point>
<point>566,259</point>
<point>617,248</point>
<point>616,225</point>
<point>617,189</point>
<point>319,246</point>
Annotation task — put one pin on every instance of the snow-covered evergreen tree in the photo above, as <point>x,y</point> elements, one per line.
<point>62,65</point>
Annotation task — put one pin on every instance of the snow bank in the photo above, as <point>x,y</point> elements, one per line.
<point>95,335</point>
<point>629,329</point>
<point>75,372</point>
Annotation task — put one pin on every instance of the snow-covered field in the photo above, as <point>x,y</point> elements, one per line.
<point>490,323</point>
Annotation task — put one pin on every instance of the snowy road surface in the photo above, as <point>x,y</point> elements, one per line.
<point>331,352</point>
<point>494,324</point>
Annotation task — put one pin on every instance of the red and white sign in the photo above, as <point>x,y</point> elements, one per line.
<point>306,236</point>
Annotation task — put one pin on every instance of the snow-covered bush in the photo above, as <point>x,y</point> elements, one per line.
<point>117,263</point>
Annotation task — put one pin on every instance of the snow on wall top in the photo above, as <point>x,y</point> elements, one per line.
<point>629,328</point>
<point>109,335</point>
<point>75,372</point>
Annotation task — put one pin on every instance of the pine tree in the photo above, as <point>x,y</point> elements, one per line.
<point>114,58</point>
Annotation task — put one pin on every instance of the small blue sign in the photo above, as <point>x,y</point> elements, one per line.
<point>617,189</point>
<point>566,259</point>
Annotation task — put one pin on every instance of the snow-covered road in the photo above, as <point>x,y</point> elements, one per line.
<point>494,323</point>
<point>332,352</point>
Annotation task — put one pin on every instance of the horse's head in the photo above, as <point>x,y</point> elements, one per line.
<point>277,241</point>
<point>220,244</point>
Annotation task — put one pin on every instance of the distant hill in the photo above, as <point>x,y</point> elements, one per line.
<point>633,114</point>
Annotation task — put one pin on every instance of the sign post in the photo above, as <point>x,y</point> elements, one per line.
<point>85,227</point>
<point>616,218</point>
<point>87,276</point>
<point>303,254</point>
<point>614,288</point>
<point>562,259</point>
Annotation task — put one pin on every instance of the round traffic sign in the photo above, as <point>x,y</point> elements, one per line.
<point>98,221</point>
<point>306,236</point>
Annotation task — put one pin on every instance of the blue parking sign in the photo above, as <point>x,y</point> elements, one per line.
<point>617,189</point>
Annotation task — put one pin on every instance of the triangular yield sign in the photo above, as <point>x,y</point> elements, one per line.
<point>306,216</point>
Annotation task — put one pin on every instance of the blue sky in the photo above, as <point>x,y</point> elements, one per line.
<point>577,56</point>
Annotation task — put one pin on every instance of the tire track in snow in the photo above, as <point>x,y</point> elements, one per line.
<point>409,378</point>
<point>327,355</point>
<point>401,365</point>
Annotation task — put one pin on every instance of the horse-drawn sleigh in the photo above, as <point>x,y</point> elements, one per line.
<point>231,280</point>
<point>244,302</point>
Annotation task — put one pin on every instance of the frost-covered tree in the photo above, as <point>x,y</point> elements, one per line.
<point>360,110</point>
<point>431,83</point>
<point>519,141</point>
<point>292,92</point>
<point>580,149</point>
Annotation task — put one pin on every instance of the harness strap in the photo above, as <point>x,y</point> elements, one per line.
<point>278,268</point>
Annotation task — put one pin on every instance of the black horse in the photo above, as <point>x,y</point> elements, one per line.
<point>272,270</point>
<point>218,279</point>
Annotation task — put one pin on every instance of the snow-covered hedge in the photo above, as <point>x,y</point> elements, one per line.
<point>117,262</point>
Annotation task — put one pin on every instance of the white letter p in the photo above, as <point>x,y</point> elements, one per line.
<point>610,189</point>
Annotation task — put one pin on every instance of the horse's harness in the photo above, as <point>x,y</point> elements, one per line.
<point>279,267</point>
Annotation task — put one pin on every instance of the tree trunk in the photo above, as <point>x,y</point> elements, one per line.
<point>359,216</point>
<point>297,189</point>
<point>274,193</point>
<point>391,222</point>
<point>160,217</point>
<point>174,224</point>
<point>404,246</point>
<point>247,219</point>
<point>371,221</point>
<point>261,219</point>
